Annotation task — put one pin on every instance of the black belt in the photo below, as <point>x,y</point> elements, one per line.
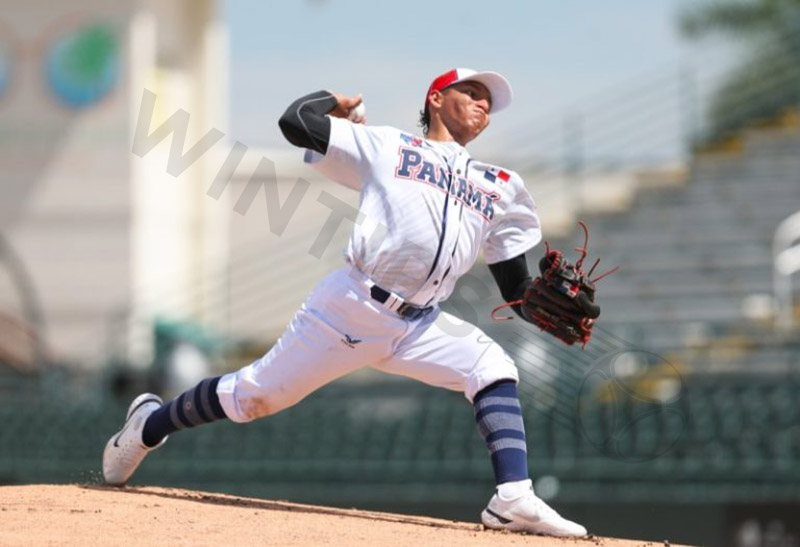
<point>405,310</point>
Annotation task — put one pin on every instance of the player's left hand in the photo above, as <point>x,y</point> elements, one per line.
<point>346,104</point>
<point>561,300</point>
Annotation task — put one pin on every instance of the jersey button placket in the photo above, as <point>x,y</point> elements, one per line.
<point>454,214</point>
<point>458,175</point>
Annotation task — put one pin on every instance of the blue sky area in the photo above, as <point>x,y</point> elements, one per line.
<point>555,53</point>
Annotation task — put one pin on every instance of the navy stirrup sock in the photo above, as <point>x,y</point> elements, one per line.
<point>499,417</point>
<point>197,406</point>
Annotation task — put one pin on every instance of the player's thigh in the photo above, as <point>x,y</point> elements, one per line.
<point>332,334</point>
<point>446,352</point>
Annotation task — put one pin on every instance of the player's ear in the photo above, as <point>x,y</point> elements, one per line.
<point>435,99</point>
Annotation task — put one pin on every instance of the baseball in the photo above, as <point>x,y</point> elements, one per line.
<point>358,112</point>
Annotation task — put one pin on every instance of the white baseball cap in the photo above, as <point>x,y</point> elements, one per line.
<point>498,86</point>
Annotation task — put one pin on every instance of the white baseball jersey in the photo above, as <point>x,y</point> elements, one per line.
<point>428,209</point>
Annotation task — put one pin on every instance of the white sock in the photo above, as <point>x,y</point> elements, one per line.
<point>514,490</point>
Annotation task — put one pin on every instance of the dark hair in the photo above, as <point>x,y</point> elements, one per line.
<point>425,120</point>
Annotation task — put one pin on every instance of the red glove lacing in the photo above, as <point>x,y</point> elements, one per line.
<point>555,257</point>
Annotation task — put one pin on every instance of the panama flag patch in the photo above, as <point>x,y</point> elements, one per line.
<point>411,139</point>
<point>493,175</point>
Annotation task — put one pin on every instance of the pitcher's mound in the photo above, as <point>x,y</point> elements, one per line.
<point>78,516</point>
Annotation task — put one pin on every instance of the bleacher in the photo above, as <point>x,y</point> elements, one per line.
<point>691,255</point>
<point>401,438</point>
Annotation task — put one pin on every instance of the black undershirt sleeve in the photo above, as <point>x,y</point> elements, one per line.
<point>305,124</point>
<point>513,278</point>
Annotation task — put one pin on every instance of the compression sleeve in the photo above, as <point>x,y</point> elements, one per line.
<point>512,278</point>
<point>305,124</point>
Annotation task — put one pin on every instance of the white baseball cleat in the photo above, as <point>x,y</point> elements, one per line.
<point>125,449</point>
<point>528,513</point>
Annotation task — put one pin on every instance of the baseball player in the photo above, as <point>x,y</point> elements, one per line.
<point>428,209</point>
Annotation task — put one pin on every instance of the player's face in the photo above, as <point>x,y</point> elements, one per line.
<point>465,110</point>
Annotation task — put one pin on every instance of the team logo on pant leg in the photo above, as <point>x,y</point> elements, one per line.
<point>350,342</point>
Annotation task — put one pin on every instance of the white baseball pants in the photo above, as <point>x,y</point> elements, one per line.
<point>340,329</point>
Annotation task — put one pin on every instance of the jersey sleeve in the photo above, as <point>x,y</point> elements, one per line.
<point>352,149</point>
<point>516,230</point>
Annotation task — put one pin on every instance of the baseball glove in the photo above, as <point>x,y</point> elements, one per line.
<point>561,300</point>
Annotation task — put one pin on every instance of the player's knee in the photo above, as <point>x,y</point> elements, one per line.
<point>256,407</point>
<point>495,368</point>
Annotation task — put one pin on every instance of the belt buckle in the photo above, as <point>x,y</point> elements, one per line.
<point>412,312</point>
<point>406,310</point>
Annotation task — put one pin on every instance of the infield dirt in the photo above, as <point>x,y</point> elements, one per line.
<point>81,516</point>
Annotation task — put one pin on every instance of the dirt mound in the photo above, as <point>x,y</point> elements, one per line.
<point>73,515</point>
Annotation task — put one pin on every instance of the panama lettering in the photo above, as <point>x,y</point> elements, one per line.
<point>412,166</point>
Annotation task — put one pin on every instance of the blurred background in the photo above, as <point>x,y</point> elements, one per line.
<point>138,140</point>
